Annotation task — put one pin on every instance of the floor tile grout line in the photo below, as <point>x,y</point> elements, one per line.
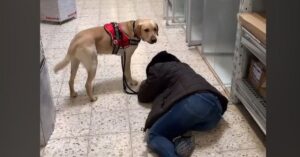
<point>69,137</point>
<point>231,150</point>
<point>130,134</point>
<point>91,135</point>
<point>109,111</point>
<point>109,133</point>
<point>89,139</point>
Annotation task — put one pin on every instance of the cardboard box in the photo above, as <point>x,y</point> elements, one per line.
<point>257,76</point>
<point>57,10</point>
<point>255,23</point>
<point>263,89</point>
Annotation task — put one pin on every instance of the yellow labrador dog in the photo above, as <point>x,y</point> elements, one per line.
<point>87,44</point>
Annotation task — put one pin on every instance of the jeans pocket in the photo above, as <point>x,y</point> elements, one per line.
<point>211,98</point>
<point>198,107</point>
<point>201,104</point>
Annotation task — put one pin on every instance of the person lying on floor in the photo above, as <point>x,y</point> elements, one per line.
<point>183,101</point>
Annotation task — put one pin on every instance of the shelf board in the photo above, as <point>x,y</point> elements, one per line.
<point>253,45</point>
<point>254,103</point>
<point>255,23</point>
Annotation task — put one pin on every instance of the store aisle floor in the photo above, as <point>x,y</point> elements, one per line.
<point>111,126</point>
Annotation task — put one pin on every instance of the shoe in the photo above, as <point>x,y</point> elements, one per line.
<point>184,146</point>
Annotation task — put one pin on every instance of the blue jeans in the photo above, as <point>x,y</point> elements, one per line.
<point>197,112</point>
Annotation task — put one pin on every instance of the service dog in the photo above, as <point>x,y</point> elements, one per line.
<point>107,39</point>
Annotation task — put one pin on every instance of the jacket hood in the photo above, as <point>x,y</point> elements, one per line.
<point>161,57</point>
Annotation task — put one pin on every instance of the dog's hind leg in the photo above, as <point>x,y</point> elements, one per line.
<point>74,67</point>
<point>90,63</point>
<point>91,75</point>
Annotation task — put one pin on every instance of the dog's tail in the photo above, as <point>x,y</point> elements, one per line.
<point>62,63</point>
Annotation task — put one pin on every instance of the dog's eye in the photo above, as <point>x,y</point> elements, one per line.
<point>155,29</point>
<point>146,30</point>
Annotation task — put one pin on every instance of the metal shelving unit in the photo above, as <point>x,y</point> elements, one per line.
<point>246,45</point>
<point>254,103</point>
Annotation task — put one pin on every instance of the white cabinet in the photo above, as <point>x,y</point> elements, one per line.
<point>47,109</point>
<point>175,12</point>
<point>57,10</point>
<point>219,26</point>
<point>194,20</point>
<point>212,24</point>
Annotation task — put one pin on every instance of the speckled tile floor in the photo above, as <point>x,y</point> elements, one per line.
<point>111,126</point>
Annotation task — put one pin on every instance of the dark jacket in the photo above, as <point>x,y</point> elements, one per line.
<point>168,82</point>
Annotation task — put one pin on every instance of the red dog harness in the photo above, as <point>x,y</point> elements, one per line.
<point>119,38</point>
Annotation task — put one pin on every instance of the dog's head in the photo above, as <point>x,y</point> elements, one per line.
<point>147,30</point>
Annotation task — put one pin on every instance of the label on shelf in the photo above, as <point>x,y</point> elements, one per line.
<point>257,72</point>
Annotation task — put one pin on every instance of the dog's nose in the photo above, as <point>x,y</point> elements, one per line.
<point>153,40</point>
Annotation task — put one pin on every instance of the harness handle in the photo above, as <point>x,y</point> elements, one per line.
<point>117,31</point>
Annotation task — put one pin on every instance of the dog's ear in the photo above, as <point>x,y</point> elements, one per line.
<point>137,30</point>
<point>156,29</point>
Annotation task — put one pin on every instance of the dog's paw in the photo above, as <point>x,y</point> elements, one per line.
<point>133,83</point>
<point>74,95</point>
<point>93,99</point>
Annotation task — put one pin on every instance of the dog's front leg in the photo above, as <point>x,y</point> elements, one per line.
<point>127,69</point>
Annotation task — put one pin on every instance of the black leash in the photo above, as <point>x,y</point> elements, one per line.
<point>123,58</point>
<point>125,84</point>
<point>116,48</point>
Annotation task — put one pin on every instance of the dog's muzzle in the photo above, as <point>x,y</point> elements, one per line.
<point>153,41</point>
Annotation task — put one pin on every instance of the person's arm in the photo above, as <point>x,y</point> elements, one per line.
<point>150,88</point>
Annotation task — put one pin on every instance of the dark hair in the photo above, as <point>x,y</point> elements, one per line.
<point>161,57</point>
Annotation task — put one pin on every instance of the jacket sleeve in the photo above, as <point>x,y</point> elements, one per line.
<point>150,88</point>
